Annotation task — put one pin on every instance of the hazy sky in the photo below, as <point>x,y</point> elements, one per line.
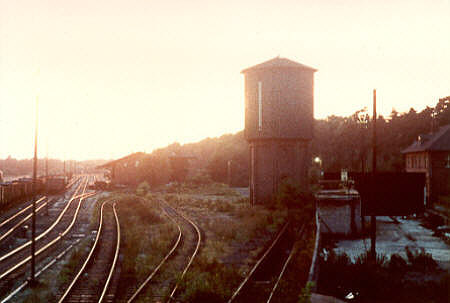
<point>115,77</point>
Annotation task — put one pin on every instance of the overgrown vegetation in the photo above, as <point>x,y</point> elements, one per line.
<point>96,212</point>
<point>298,202</point>
<point>417,279</point>
<point>40,293</point>
<point>305,295</point>
<point>236,234</point>
<point>147,237</point>
<point>74,262</point>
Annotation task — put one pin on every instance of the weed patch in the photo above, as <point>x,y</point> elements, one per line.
<point>417,279</point>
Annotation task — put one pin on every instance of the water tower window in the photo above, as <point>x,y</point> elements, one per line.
<point>260,106</point>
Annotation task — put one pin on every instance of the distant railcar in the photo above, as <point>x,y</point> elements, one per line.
<point>55,184</point>
<point>18,190</point>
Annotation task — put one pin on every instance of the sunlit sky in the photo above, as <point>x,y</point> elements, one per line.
<point>115,77</point>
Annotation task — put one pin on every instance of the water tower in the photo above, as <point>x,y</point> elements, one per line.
<point>279,97</point>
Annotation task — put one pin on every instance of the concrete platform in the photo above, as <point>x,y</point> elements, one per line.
<point>393,237</point>
<point>316,298</point>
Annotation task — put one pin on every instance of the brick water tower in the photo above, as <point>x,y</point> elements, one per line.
<point>279,97</point>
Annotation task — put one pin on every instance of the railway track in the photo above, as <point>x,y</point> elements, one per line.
<point>98,268</point>
<point>16,216</point>
<point>12,263</point>
<point>185,247</point>
<point>72,182</point>
<point>11,224</point>
<point>262,281</point>
<point>44,233</point>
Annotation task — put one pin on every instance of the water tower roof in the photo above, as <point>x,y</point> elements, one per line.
<point>278,62</point>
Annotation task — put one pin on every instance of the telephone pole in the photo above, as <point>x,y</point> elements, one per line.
<point>33,217</point>
<point>373,219</point>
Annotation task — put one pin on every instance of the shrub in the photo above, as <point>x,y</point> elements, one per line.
<point>305,295</point>
<point>397,264</point>
<point>300,204</point>
<point>420,260</point>
<point>142,189</point>
<point>380,280</point>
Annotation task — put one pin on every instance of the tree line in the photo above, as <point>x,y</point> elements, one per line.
<point>340,142</point>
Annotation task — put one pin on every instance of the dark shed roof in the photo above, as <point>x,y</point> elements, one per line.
<point>438,141</point>
<point>135,156</point>
<point>278,62</point>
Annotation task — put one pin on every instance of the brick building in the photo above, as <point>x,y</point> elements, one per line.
<point>125,170</point>
<point>279,120</point>
<point>430,154</point>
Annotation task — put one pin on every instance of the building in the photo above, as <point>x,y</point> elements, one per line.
<point>430,154</point>
<point>279,97</point>
<point>126,170</point>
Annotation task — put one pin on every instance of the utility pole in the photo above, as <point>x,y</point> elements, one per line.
<point>46,167</point>
<point>373,219</point>
<point>33,217</point>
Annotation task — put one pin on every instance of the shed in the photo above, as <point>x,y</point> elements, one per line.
<point>430,154</point>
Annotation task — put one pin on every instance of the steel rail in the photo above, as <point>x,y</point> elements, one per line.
<point>17,225</point>
<point>191,259</point>
<point>155,271</point>
<point>45,247</point>
<point>294,250</point>
<point>16,250</point>
<point>116,255</point>
<point>91,252</point>
<point>75,180</point>
<point>41,271</point>
<point>236,292</point>
<point>21,211</point>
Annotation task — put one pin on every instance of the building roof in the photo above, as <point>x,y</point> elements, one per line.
<point>438,141</point>
<point>278,62</point>
<point>131,157</point>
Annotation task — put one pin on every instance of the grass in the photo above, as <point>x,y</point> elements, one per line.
<point>147,237</point>
<point>50,282</point>
<point>40,293</point>
<point>211,188</point>
<point>74,262</point>
<point>96,212</point>
<point>417,279</point>
<point>293,287</point>
<point>236,234</point>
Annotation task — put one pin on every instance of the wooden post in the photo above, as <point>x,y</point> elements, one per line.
<point>33,216</point>
<point>373,219</point>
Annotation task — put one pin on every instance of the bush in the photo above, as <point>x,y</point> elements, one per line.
<point>381,280</point>
<point>420,260</point>
<point>142,189</point>
<point>397,264</point>
<point>305,295</point>
<point>300,204</point>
